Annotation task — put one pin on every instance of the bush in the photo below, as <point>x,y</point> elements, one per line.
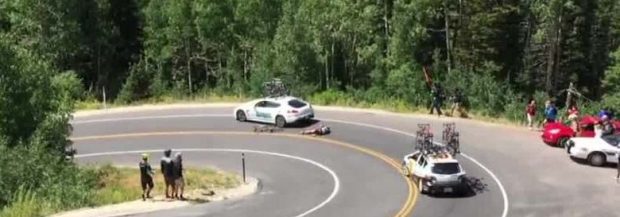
<point>34,175</point>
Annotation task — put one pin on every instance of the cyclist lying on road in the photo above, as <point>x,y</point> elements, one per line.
<point>317,131</point>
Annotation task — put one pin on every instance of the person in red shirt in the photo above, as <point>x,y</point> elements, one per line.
<point>530,112</point>
<point>573,114</point>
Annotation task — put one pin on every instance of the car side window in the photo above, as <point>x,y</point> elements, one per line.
<point>612,140</point>
<point>272,105</point>
<point>422,161</point>
<point>261,104</point>
<point>415,157</point>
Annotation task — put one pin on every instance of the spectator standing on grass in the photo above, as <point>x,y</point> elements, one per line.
<point>573,114</point>
<point>167,170</point>
<point>437,96</point>
<point>551,112</point>
<point>530,112</point>
<point>457,101</point>
<point>146,177</point>
<point>179,182</point>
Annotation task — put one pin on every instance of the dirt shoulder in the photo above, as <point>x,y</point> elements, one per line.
<point>158,203</point>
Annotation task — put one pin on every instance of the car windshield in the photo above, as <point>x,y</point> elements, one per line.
<point>612,140</point>
<point>446,168</point>
<point>296,103</point>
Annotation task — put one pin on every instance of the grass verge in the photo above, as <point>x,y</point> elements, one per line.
<point>121,184</point>
<point>114,185</point>
<point>167,99</point>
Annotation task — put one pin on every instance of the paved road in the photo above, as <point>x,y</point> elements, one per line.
<point>538,180</point>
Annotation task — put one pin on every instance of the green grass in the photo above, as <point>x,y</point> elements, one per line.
<point>122,184</point>
<point>115,185</point>
<point>163,100</point>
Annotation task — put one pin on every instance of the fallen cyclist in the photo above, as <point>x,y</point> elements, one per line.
<point>317,131</point>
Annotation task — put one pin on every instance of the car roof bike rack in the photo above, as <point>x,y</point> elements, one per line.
<point>275,88</point>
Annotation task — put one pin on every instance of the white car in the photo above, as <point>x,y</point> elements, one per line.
<point>435,173</point>
<point>597,151</point>
<point>275,110</point>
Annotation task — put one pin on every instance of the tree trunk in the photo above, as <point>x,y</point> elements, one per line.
<point>333,60</point>
<point>447,24</point>
<point>189,67</point>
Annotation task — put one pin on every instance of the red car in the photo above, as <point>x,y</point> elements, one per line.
<point>557,134</point>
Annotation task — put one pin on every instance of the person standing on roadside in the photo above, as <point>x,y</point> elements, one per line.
<point>607,126</point>
<point>530,112</point>
<point>167,170</point>
<point>457,101</point>
<point>618,167</point>
<point>573,115</point>
<point>437,97</point>
<point>146,177</point>
<point>179,182</point>
<point>551,112</point>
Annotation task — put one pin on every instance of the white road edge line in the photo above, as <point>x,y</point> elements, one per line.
<point>335,190</point>
<point>499,183</point>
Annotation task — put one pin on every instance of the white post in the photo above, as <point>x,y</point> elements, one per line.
<point>104,99</point>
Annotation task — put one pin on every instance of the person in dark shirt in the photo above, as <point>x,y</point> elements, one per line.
<point>437,98</point>
<point>146,177</point>
<point>167,170</point>
<point>608,127</point>
<point>457,101</point>
<point>179,182</point>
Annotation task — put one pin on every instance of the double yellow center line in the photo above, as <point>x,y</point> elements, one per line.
<point>406,209</point>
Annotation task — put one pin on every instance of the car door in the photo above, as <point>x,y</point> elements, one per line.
<point>258,112</point>
<point>412,162</point>
<point>611,149</point>
<point>273,109</point>
<point>420,167</point>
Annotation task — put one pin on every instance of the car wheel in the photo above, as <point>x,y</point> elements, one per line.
<point>421,186</point>
<point>597,159</point>
<point>562,142</point>
<point>241,116</point>
<point>280,121</point>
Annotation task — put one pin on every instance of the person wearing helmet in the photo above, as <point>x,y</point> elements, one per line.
<point>167,170</point>
<point>608,128</point>
<point>146,177</point>
<point>317,131</point>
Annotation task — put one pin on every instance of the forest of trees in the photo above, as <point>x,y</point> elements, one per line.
<point>497,51</point>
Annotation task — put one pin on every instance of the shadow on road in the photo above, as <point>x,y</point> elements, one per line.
<point>585,162</point>
<point>474,186</point>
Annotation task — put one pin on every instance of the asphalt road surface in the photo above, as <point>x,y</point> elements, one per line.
<point>347,174</point>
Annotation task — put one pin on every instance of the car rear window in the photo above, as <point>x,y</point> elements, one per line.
<point>446,168</point>
<point>296,103</point>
